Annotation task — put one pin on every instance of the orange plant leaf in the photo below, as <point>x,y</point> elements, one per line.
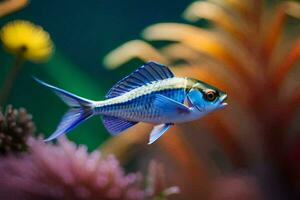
<point>227,21</point>
<point>133,49</point>
<point>179,51</point>
<point>242,8</point>
<point>10,6</point>
<point>275,28</point>
<point>203,41</point>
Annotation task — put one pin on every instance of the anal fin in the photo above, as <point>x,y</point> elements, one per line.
<point>116,125</point>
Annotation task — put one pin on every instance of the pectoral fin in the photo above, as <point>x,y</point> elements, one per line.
<point>169,106</point>
<point>157,131</point>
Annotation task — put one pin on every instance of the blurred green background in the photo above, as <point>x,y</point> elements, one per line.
<point>82,33</point>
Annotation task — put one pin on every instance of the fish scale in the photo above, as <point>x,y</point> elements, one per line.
<point>141,106</point>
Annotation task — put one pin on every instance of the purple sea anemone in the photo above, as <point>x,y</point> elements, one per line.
<point>65,171</point>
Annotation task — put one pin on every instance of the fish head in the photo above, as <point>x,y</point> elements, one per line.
<point>205,97</point>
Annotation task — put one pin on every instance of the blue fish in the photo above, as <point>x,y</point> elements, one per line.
<point>150,94</point>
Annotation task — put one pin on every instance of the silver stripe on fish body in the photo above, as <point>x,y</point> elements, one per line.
<point>136,105</point>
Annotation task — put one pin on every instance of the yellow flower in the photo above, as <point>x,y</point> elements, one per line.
<point>27,40</point>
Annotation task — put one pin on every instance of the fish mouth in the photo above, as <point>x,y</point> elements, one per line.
<point>222,99</point>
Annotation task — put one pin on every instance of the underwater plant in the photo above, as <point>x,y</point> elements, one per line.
<point>26,41</point>
<point>9,6</point>
<point>16,126</point>
<point>65,171</point>
<point>246,51</point>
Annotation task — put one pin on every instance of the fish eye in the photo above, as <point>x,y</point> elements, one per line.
<point>210,95</point>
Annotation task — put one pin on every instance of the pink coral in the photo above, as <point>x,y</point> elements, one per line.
<point>65,171</point>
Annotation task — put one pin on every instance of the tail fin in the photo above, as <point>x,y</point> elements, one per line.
<point>81,109</point>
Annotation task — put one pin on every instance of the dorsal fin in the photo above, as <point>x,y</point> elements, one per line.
<point>149,72</point>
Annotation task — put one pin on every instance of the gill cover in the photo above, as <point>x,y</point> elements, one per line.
<point>195,98</point>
